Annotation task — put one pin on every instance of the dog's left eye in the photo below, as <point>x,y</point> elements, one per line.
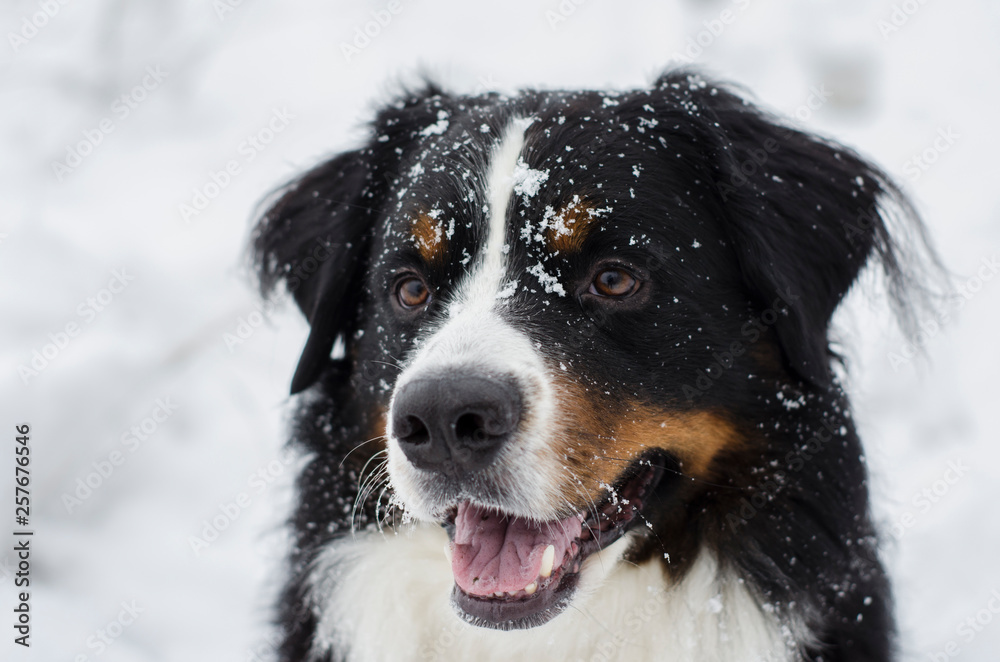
<point>411,292</point>
<point>614,283</point>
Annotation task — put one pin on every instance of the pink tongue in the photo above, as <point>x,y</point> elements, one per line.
<point>493,553</point>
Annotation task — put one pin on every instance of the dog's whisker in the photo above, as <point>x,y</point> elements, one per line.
<point>367,483</point>
<point>375,478</point>
<point>596,513</point>
<point>396,365</point>
<point>367,441</point>
<point>379,518</point>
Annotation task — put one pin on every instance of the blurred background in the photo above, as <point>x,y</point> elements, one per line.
<point>138,138</point>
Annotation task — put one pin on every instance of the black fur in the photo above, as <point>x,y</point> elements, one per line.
<point>754,231</point>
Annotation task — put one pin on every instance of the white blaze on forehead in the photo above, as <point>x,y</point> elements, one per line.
<point>485,284</point>
<point>473,337</point>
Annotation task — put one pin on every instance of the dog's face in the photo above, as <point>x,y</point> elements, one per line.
<point>561,308</point>
<point>540,308</point>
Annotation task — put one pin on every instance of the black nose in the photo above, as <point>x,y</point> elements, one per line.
<point>455,424</point>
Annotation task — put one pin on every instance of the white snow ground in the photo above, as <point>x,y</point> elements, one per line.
<point>162,336</point>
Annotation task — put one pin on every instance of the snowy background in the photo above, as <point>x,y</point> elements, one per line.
<point>897,79</point>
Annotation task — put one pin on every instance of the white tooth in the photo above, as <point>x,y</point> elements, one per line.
<point>548,559</point>
<point>531,588</point>
<point>498,594</point>
<point>447,551</point>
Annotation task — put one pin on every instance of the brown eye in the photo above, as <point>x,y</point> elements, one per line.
<point>614,283</point>
<point>411,292</point>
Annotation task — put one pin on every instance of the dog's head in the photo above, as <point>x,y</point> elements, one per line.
<point>562,309</point>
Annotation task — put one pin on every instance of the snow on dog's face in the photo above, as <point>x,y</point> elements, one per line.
<point>526,268</point>
<point>543,303</point>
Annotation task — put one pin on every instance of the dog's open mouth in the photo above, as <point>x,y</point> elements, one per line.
<point>512,573</point>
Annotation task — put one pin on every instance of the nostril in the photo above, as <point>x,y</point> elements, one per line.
<point>413,431</point>
<point>470,428</point>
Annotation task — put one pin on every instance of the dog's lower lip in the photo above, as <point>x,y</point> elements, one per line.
<point>603,525</point>
<point>517,613</point>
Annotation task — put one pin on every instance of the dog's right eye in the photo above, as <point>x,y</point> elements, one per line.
<point>411,292</point>
<point>614,284</point>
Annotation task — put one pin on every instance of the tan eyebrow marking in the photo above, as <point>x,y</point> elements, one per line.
<point>429,238</point>
<point>567,229</point>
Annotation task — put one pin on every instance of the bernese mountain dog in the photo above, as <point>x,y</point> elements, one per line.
<point>568,391</point>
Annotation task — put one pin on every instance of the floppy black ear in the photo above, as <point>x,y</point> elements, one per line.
<point>804,215</point>
<point>316,238</point>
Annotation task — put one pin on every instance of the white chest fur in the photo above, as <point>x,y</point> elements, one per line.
<point>386,598</point>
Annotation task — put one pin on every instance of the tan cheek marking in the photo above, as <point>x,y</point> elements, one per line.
<point>601,439</point>
<point>695,437</point>
<point>429,238</point>
<point>567,229</point>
